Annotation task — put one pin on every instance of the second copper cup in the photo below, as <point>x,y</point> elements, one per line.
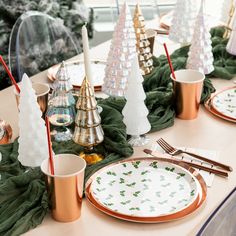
<point>65,187</point>
<point>41,91</point>
<point>187,93</point>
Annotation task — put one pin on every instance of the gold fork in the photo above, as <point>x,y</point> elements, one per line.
<point>174,151</point>
<point>200,167</point>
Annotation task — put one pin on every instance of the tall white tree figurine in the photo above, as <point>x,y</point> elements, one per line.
<point>135,111</point>
<point>184,15</point>
<point>200,56</point>
<point>33,147</point>
<point>121,52</point>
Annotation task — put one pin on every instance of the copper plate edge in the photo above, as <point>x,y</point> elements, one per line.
<point>207,105</point>
<point>174,216</point>
<point>51,73</point>
<point>215,94</point>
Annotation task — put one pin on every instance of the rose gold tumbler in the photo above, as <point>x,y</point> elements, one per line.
<point>41,91</point>
<point>65,187</point>
<point>187,93</point>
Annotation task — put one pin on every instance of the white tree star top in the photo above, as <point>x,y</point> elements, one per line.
<point>184,15</point>
<point>200,56</point>
<point>123,47</point>
<point>33,147</point>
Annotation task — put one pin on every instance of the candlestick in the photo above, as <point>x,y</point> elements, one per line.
<point>87,62</point>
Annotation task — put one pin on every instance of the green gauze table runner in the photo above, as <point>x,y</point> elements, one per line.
<point>23,198</point>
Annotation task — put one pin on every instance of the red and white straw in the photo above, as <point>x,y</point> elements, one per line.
<point>169,61</point>
<point>9,74</point>
<point>49,146</point>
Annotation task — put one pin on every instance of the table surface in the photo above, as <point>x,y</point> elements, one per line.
<point>205,132</point>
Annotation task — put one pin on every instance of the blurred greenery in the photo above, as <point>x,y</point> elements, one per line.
<point>73,13</point>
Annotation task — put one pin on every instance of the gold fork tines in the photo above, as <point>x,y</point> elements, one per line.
<point>174,151</point>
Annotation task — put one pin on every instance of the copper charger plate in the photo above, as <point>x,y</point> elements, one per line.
<point>219,92</point>
<point>165,20</point>
<point>52,71</point>
<point>210,108</point>
<point>156,219</point>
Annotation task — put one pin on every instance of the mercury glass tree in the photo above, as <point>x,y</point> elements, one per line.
<point>143,45</point>
<point>88,130</point>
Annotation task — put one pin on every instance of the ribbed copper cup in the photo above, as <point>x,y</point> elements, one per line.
<point>65,187</point>
<point>41,91</point>
<point>187,93</point>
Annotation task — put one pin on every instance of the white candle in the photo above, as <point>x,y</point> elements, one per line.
<point>87,62</point>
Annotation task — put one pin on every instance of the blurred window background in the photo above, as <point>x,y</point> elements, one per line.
<point>106,14</point>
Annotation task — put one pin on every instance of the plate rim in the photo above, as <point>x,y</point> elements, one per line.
<point>147,159</point>
<point>153,219</point>
<point>79,61</point>
<point>208,106</point>
<point>217,93</point>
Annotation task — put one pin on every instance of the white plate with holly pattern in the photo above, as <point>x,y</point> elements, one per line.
<point>225,102</point>
<point>145,190</point>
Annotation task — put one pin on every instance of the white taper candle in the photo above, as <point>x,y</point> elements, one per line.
<point>87,62</point>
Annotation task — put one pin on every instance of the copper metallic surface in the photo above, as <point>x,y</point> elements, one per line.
<point>65,188</point>
<point>187,93</point>
<point>178,215</point>
<point>5,132</point>
<point>215,94</point>
<point>41,91</point>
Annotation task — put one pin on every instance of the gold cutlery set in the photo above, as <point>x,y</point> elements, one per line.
<point>170,152</point>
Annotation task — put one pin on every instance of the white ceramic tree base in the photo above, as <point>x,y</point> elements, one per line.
<point>138,141</point>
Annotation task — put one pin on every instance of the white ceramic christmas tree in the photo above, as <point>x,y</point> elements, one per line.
<point>200,56</point>
<point>121,52</point>
<point>184,15</point>
<point>231,45</point>
<point>135,111</point>
<point>33,147</point>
